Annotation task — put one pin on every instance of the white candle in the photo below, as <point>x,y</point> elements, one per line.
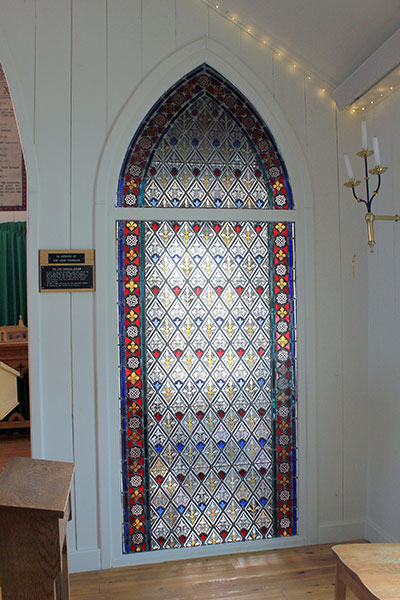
<point>348,166</point>
<point>364,135</point>
<point>376,152</point>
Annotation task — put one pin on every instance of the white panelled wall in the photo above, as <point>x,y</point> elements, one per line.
<point>76,69</point>
<point>383,489</point>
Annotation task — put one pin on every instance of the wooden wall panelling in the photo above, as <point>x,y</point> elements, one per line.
<point>191,21</point>
<point>52,126</point>
<point>224,32</point>
<point>124,57</point>
<point>354,258</point>
<point>88,135</point>
<point>20,16</point>
<point>158,33</point>
<point>322,158</point>
<point>258,57</point>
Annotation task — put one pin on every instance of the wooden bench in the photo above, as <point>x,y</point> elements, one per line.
<point>370,571</point>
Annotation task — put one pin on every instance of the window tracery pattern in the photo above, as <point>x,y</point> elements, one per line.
<point>206,334</point>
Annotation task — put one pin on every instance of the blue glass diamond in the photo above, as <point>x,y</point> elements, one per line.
<point>197,259</point>
<point>238,259</point>
<point>155,258</point>
<point>200,445</point>
<point>176,258</point>
<point>173,141</point>
<point>181,509</point>
<point>241,443</point>
<point>157,385</point>
<point>261,381</point>
<point>240,321</point>
<point>220,383</point>
<point>199,383</point>
<point>263,501</point>
<point>243,503</point>
<point>160,510</point>
<point>221,444</point>
<point>218,258</point>
<point>222,504</point>
<point>156,321</point>
<point>158,447</point>
<point>175,201</point>
<point>262,441</point>
<point>219,321</point>
<point>179,447</point>
<point>177,321</point>
<point>178,384</point>
<point>202,506</point>
<point>198,321</point>
<point>241,382</point>
<point>218,202</point>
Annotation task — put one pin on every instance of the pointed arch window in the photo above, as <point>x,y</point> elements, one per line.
<point>206,325</point>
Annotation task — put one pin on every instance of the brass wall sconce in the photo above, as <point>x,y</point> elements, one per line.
<point>365,153</point>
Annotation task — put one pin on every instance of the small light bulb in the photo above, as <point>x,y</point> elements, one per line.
<point>264,42</point>
<point>309,77</point>
<point>248,30</point>
<point>216,6</point>
<point>363,108</point>
<point>294,66</point>
<point>354,110</point>
<point>372,101</point>
<point>381,95</point>
<point>391,87</point>
<point>323,89</point>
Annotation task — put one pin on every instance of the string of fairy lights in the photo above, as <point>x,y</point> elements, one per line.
<point>377,93</point>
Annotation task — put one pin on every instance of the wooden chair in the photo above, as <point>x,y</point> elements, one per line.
<point>370,571</point>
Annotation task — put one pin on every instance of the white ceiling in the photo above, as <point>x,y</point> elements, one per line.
<point>333,37</point>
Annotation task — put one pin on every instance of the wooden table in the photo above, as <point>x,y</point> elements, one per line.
<point>370,571</point>
<point>34,510</point>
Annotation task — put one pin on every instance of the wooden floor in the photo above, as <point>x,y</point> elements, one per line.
<point>289,574</point>
<point>13,444</point>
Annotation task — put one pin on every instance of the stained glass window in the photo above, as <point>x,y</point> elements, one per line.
<point>206,336</point>
<point>203,145</point>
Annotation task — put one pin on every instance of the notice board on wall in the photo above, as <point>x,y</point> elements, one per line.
<point>12,165</point>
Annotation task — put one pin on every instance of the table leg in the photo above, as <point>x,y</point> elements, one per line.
<point>340,587</point>
<point>62,581</point>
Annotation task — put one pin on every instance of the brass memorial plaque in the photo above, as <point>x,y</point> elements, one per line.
<point>66,271</point>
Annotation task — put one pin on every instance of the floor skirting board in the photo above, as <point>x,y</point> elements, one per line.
<point>80,561</point>
<point>374,533</point>
<point>341,531</point>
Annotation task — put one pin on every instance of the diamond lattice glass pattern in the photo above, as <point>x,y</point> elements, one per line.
<point>215,408</point>
<point>206,159</point>
<point>203,145</point>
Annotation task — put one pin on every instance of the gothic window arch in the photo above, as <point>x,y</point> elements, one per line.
<point>207,325</point>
